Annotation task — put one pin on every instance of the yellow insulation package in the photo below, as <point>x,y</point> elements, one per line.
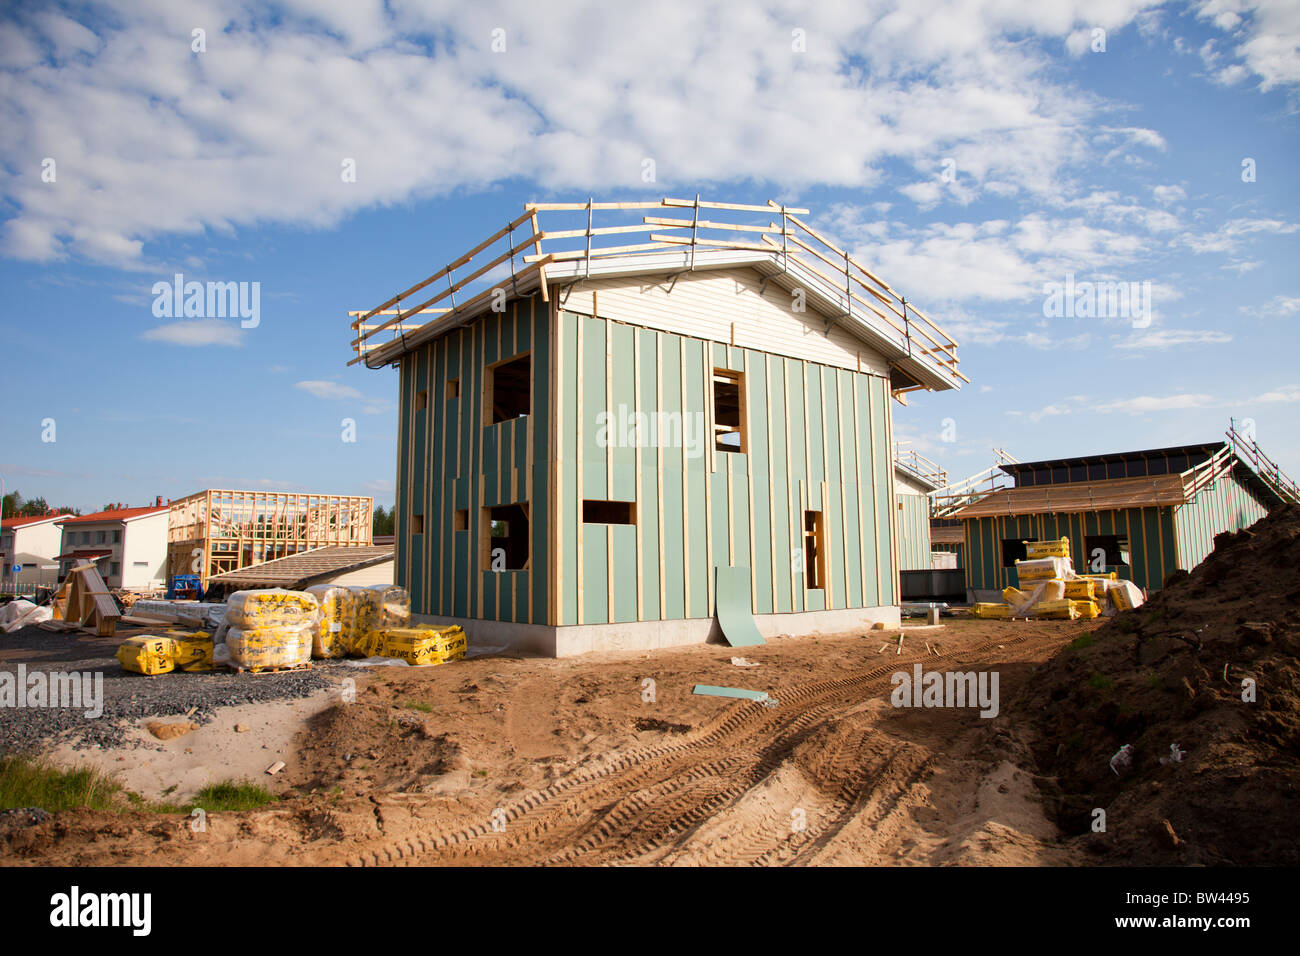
<point>996,611</point>
<point>1126,595</point>
<point>284,645</point>
<point>193,650</point>
<point>378,607</point>
<point>335,633</point>
<point>1085,609</point>
<point>422,645</point>
<point>1081,589</point>
<point>1059,548</point>
<point>148,654</point>
<point>1044,569</point>
<point>272,606</point>
<point>1056,609</point>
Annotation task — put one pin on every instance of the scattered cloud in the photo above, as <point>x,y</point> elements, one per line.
<point>1230,236</point>
<point>1149,403</point>
<point>328,390</point>
<point>1170,338</point>
<point>1279,306</point>
<point>324,389</point>
<point>201,332</point>
<point>134,118</point>
<point>1285,393</point>
<point>1264,36</point>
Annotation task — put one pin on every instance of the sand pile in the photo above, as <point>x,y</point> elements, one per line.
<point>1174,672</point>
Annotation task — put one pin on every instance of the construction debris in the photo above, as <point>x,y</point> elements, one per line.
<point>21,613</point>
<point>740,693</point>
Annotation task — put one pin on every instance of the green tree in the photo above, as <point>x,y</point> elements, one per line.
<point>16,506</point>
<point>383,520</point>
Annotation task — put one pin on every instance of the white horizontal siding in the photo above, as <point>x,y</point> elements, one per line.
<point>725,306</point>
<point>381,573</point>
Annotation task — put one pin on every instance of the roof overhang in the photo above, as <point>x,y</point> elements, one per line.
<point>899,351</point>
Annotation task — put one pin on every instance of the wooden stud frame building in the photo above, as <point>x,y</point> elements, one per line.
<point>583,442</point>
<point>221,530</point>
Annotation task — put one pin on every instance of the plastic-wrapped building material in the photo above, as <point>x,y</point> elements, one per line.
<point>421,645</point>
<point>148,654</point>
<point>1059,548</point>
<point>281,645</point>
<point>1126,595</point>
<point>1056,609</point>
<point>1082,589</point>
<point>378,607</point>
<point>1053,590</point>
<point>269,607</point>
<point>1021,606</point>
<point>335,631</point>
<point>1085,609</point>
<point>193,650</point>
<point>1042,569</point>
<point>993,611</point>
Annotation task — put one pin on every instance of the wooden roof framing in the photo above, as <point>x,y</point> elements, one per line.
<point>781,244</point>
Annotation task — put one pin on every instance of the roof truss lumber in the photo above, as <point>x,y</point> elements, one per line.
<point>875,310</point>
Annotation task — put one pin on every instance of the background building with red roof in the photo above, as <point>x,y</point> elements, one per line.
<point>128,545</point>
<point>28,546</point>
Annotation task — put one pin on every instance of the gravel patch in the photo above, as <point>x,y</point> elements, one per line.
<point>130,697</point>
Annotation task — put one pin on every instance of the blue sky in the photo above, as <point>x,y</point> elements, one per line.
<point>970,152</point>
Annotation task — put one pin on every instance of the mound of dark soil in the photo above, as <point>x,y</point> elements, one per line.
<point>1209,664</point>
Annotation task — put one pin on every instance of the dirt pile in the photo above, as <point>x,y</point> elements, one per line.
<point>1203,682</point>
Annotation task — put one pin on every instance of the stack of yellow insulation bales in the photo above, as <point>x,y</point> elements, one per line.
<point>1051,590</point>
<point>271,629</point>
<point>380,606</point>
<point>353,619</point>
<point>335,634</point>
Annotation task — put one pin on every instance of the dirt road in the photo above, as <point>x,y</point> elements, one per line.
<point>526,762</point>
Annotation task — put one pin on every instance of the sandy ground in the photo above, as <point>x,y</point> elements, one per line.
<point>176,769</point>
<point>607,758</point>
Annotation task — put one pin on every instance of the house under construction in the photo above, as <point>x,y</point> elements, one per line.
<point>219,530</point>
<point>1142,514</point>
<point>657,412</point>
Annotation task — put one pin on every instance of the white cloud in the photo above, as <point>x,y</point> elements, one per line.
<point>1166,194</point>
<point>1285,393</point>
<point>328,390</point>
<point>1278,306</point>
<point>1169,338</point>
<point>135,119</point>
<point>1048,411</point>
<point>1266,34</point>
<point>324,389</point>
<point>1231,235</point>
<point>200,332</point>
<point>1148,403</point>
